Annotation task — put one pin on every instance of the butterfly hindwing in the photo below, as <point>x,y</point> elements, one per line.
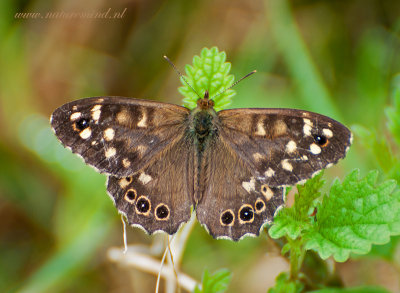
<point>284,146</point>
<point>116,135</point>
<point>159,197</point>
<point>233,203</point>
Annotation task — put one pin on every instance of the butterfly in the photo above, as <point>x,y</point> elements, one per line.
<point>165,161</point>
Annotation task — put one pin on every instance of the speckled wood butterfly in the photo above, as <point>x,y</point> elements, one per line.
<point>230,166</point>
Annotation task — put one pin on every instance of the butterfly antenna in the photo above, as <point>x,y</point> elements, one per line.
<point>233,84</point>
<point>180,75</point>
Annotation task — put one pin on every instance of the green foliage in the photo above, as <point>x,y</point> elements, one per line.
<point>215,283</point>
<point>379,147</point>
<point>292,221</point>
<point>209,72</point>
<point>384,152</point>
<point>285,285</point>
<point>355,215</point>
<point>393,112</point>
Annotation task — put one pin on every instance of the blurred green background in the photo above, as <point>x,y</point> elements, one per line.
<point>338,58</point>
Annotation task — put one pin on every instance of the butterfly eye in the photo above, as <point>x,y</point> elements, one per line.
<point>320,139</point>
<point>81,124</point>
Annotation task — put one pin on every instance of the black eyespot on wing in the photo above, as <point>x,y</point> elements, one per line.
<point>162,212</point>
<point>320,139</point>
<point>246,214</point>
<point>82,123</point>
<point>260,205</point>
<point>227,218</point>
<point>143,205</point>
<point>131,194</point>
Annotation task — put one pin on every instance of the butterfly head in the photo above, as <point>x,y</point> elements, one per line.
<point>205,103</point>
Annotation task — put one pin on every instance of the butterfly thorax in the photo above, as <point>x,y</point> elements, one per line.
<point>203,122</point>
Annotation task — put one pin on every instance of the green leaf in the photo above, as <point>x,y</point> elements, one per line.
<point>292,221</point>
<point>285,285</point>
<point>215,283</point>
<point>393,112</point>
<point>209,72</point>
<point>379,147</point>
<point>355,215</point>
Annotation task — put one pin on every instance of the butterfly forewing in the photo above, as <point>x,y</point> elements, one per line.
<point>284,146</point>
<point>116,135</point>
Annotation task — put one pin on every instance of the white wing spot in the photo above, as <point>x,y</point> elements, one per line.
<point>267,192</point>
<point>280,128</point>
<point>304,158</point>
<point>329,165</point>
<point>258,156</point>
<point>141,149</point>
<point>327,132</point>
<point>75,116</point>
<point>110,152</point>
<point>145,178</point>
<point>249,186</point>
<point>260,129</point>
<point>123,183</point>
<point>143,121</point>
<point>286,165</point>
<point>96,108</point>
<point>109,134</point>
<point>123,117</point>
<point>307,130</point>
<point>291,147</point>
<point>269,172</point>
<point>86,133</point>
<point>126,163</point>
<point>308,125</point>
<point>315,149</point>
<point>96,113</point>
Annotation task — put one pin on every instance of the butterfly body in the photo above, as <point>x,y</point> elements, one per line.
<point>231,167</point>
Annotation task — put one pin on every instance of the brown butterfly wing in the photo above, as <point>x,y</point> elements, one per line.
<point>232,202</point>
<point>116,135</point>
<point>158,197</point>
<point>284,146</point>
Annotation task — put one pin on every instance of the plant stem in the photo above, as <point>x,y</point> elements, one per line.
<point>297,253</point>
